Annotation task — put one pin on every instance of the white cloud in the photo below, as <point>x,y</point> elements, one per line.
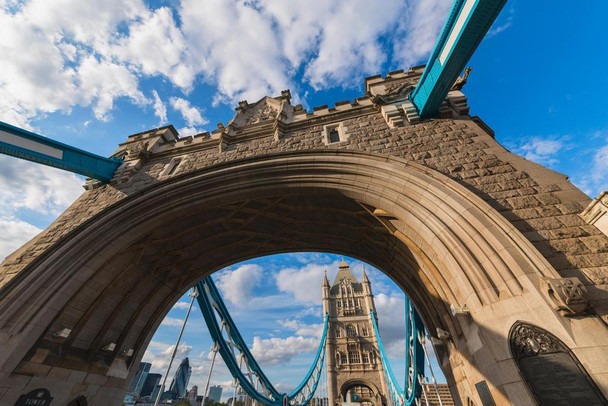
<point>173,322</point>
<point>542,150</point>
<point>191,114</point>
<point>55,55</point>
<point>155,45</point>
<point>600,164</point>
<point>349,45</point>
<point>418,30</point>
<point>181,305</point>
<point>273,351</point>
<point>391,322</point>
<point>236,48</point>
<point>101,82</point>
<point>27,185</point>
<point>160,360</point>
<point>303,329</point>
<point>236,286</point>
<point>13,234</point>
<point>160,110</point>
<point>304,283</point>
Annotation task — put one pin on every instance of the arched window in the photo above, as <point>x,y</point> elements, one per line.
<point>338,333</point>
<point>353,357</point>
<point>365,357</point>
<point>364,331</point>
<point>351,331</point>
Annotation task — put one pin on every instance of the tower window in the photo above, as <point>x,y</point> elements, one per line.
<point>334,133</point>
<point>334,136</point>
<point>364,331</point>
<point>366,358</point>
<point>350,331</point>
<point>338,334</point>
<point>353,357</point>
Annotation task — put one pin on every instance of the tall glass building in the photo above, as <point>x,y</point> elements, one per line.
<point>140,377</point>
<point>215,393</point>
<point>179,385</point>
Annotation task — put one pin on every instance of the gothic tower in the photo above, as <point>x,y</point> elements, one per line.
<point>353,359</point>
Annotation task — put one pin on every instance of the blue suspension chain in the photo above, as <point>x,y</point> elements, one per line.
<point>212,307</point>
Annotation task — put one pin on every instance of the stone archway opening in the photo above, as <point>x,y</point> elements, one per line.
<point>115,278</point>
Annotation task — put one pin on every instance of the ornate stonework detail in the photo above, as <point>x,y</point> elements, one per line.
<point>461,81</point>
<point>596,213</point>
<point>396,86</point>
<point>138,150</point>
<point>528,340</point>
<point>567,294</point>
<point>266,113</point>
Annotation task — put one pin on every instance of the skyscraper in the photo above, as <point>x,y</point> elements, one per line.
<point>148,387</point>
<point>353,359</point>
<point>215,393</point>
<point>179,385</point>
<point>140,377</point>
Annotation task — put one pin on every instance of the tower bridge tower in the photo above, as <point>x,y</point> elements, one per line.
<point>353,359</point>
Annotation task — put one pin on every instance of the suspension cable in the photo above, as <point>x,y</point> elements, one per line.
<point>428,361</point>
<point>194,294</point>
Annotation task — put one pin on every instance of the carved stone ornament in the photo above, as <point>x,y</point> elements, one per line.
<point>568,295</point>
<point>528,340</point>
<point>396,86</point>
<point>139,150</point>
<point>263,114</point>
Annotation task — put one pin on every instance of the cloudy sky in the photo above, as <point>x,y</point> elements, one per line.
<point>276,304</point>
<point>91,73</point>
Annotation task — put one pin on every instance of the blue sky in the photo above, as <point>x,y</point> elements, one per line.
<point>90,73</point>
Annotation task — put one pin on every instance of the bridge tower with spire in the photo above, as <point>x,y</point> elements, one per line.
<point>354,367</point>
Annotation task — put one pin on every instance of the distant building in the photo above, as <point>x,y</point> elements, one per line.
<point>179,385</point>
<point>354,368</point>
<point>140,377</point>
<point>431,397</point>
<point>150,383</point>
<point>192,396</point>
<point>215,393</point>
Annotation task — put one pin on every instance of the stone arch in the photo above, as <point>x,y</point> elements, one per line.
<point>353,383</point>
<point>113,279</point>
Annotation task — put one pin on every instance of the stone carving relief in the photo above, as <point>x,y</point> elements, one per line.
<point>568,295</point>
<point>396,86</point>
<point>550,369</point>
<point>527,340</point>
<point>265,113</point>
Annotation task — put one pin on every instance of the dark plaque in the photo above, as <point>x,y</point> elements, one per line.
<point>553,373</point>
<point>484,394</point>
<point>37,397</point>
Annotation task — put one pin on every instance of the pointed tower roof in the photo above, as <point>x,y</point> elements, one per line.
<point>364,277</point>
<point>344,272</point>
<point>325,280</point>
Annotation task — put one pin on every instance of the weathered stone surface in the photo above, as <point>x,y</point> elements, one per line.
<point>470,224</point>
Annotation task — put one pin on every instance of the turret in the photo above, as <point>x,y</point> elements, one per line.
<point>325,290</point>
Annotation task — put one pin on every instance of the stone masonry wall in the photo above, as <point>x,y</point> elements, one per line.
<point>540,203</point>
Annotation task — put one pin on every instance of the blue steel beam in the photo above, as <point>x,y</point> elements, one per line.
<point>212,306</point>
<point>24,144</point>
<point>465,27</point>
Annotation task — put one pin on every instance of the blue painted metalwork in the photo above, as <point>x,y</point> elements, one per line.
<point>24,144</point>
<point>229,340</point>
<point>414,359</point>
<point>466,25</point>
